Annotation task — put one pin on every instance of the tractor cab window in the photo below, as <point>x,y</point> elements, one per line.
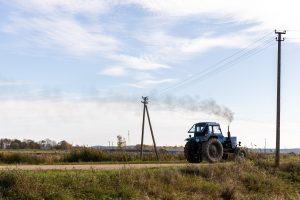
<point>216,130</point>
<point>210,130</point>
<point>192,130</point>
<point>199,128</point>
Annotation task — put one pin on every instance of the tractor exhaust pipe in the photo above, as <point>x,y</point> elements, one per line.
<point>228,133</point>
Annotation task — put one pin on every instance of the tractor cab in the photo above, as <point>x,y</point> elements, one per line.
<point>204,130</point>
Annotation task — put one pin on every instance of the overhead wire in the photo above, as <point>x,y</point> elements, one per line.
<point>222,67</point>
<point>292,38</point>
<point>256,52</point>
<point>223,62</point>
<point>230,64</point>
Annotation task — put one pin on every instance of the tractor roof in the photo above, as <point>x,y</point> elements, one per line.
<point>210,123</point>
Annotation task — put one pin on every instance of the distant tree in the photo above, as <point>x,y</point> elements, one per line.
<point>15,144</point>
<point>30,144</point>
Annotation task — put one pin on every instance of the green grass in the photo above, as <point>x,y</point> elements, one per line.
<point>231,180</point>
<point>289,166</point>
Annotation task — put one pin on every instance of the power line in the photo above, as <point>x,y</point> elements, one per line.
<point>292,38</point>
<point>246,51</point>
<point>222,68</point>
<point>218,63</point>
<point>293,30</point>
<point>246,56</point>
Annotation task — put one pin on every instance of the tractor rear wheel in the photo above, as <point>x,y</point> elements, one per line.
<point>212,150</point>
<point>191,152</point>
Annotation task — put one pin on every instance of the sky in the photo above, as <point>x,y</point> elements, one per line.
<point>76,70</point>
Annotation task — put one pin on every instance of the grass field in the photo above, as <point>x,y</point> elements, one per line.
<point>254,178</point>
<point>81,155</point>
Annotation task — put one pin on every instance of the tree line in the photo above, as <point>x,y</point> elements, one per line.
<point>48,144</point>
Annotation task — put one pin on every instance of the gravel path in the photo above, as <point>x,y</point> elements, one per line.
<point>90,166</point>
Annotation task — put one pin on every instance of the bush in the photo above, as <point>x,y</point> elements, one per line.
<point>27,158</point>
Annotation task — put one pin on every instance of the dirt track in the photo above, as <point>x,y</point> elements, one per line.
<point>89,166</point>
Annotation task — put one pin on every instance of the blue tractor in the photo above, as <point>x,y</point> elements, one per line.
<point>208,143</point>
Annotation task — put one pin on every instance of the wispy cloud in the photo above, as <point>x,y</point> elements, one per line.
<point>206,43</point>
<point>67,6</point>
<point>8,82</point>
<point>139,63</point>
<point>11,83</point>
<point>150,82</point>
<point>247,11</point>
<point>173,49</point>
<point>62,33</point>
<point>114,71</point>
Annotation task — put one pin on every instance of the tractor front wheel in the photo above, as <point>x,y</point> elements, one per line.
<point>212,150</point>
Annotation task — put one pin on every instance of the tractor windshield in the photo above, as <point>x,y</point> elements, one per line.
<point>197,129</point>
<point>192,130</point>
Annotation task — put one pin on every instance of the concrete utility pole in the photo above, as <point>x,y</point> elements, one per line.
<point>145,102</point>
<point>277,154</point>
